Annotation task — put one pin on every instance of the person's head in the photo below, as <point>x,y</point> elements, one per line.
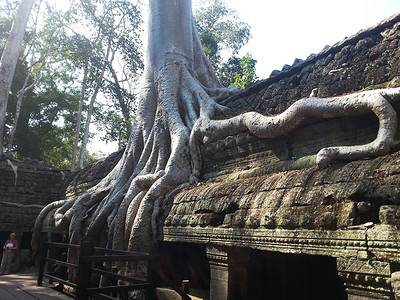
<point>12,236</point>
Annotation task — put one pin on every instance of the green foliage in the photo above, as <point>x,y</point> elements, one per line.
<point>66,42</point>
<point>113,125</point>
<point>238,71</point>
<point>247,73</point>
<point>115,27</point>
<point>220,30</point>
<point>45,126</point>
<point>226,73</point>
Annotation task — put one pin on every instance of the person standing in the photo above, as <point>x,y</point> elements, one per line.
<point>9,250</point>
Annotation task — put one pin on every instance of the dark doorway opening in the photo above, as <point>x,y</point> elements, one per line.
<point>25,242</point>
<point>277,276</point>
<point>182,261</point>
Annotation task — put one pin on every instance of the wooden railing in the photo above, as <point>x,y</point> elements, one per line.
<point>90,261</point>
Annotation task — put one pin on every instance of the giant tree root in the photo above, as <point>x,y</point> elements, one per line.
<point>179,97</point>
<point>118,212</point>
<point>163,153</point>
<point>377,101</point>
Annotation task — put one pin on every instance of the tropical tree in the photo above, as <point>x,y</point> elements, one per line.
<point>58,55</point>
<point>46,121</point>
<point>178,86</point>
<point>220,30</point>
<point>247,73</point>
<point>41,72</point>
<point>177,101</point>
<point>237,71</point>
<point>9,59</point>
<point>114,28</point>
<point>36,63</point>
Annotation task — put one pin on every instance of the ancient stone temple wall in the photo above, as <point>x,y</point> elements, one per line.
<point>365,61</point>
<point>30,182</point>
<point>25,188</point>
<point>265,199</point>
<point>89,176</point>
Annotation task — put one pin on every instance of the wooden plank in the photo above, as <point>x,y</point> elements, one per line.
<point>110,258</point>
<point>116,288</point>
<point>42,256</point>
<point>58,279</point>
<point>62,263</point>
<point>113,251</point>
<point>84,271</point>
<point>103,297</point>
<point>63,245</point>
<point>118,276</point>
<point>12,293</point>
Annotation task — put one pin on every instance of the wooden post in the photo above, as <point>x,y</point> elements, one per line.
<point>114,281</point>
<point>42,253</point>
<point>151,278</point>
<point>84,271</point>
<point>63,272</point>
<point>185,286</point>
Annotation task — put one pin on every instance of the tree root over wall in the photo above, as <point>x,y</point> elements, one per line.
<point>179,96</point>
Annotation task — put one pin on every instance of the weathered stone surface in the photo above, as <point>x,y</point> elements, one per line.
<point>267,194</point>
<point>17,217</point>
<point>89,176</point>
<point>365,279</point>
<point>395,282</point>
<point>35,182</point>
<point>337,197</point>
<point>364,61</point>
<point>36,185</point>
<point>390,215</point>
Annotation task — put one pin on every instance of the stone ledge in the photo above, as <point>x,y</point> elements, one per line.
<point>359,242</point>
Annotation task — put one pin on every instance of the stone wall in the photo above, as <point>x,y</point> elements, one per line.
<point>25,188</point>
<point>32,183</point>
<point>89,176</point>
<point>368,60</point>
<point>244,175</point>
<point>24,194</point>
<point>267,196</point>
<point>18,218</point>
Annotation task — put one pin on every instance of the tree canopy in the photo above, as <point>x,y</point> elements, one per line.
<point>79,65</point>
<point>220,29</point>
<point>89,51</point>
<point>222,35</point>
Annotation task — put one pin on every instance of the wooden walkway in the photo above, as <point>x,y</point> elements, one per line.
<point>23,287</point>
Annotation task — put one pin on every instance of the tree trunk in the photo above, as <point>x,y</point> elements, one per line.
<point>91,105</point>
<point>175,110</point>
<point>25,88</point>
<point>20,97</point>
<point>79,117</point>
<point>122,104</point>
<point>9,59</point>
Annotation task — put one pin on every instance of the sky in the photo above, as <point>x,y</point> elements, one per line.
<point>283,30</point>
<point>288,29</point>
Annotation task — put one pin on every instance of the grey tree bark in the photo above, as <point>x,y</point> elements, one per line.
<point>178,99</point>
<point>9,59</point>
<point>79,117</point>
<point>106,60</point>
